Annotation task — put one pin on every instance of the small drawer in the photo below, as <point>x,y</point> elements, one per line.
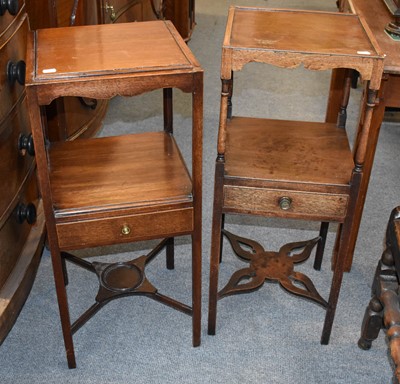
<point>12,71</point>
<point>284,203</point>
<point>17,153</point>
<point>15,229</point>
<point>114,230</point>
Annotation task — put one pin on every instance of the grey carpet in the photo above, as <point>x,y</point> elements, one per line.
<point>264,337</point>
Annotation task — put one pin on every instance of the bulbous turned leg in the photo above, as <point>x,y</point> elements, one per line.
<point>372,323</point>
<point>391,319</point>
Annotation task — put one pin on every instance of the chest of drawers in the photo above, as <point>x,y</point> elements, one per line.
<point>21,217</point>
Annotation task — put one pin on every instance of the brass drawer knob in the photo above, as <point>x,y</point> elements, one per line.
<point>285,203</point>
<point>125,230</point>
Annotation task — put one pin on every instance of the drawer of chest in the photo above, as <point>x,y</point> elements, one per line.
<point>129,228</point>
<point>15,228</point>
<point>285,203</point>
<point>17,153</point>
<point>12,68</point>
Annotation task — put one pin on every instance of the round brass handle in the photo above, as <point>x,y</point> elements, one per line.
<point>285,203</point>
<point>125,230</point>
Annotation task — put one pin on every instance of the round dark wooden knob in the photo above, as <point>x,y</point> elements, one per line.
<point>26,213</point>
<point>11,6</point>
<point>16,72</point>
<point>25,143</point>
<point>387,257</point>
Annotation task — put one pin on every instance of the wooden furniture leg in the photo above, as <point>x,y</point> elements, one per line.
<point>168,127</point>
<point>383,310</point>
<point>216,246</point>
<point>377,15</point>
<point>335,104</point>
<point>376,121</point>
<point>197,153</point>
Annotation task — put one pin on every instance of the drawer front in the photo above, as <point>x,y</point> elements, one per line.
<point>15,229</point>
<point>15,163</point>
<point>7,18</point>
<point>283,203</point>
<point>11,53</point>
<point>114,230</point>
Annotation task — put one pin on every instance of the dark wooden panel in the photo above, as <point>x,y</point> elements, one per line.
<point>12,51</point>
<point>7,19</point>
<point>21,242</point>
<point>15,163</point>
<point>13,234</point>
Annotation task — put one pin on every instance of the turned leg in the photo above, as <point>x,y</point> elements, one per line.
<point>391,318</point>
<point>230,92</point>
<point>342,115</point>
<point>372,323</point>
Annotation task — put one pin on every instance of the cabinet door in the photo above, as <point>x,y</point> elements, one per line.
<point>123,11</point>
<point>181,13</point>
<point>21,213</point>
<point>57,13</point>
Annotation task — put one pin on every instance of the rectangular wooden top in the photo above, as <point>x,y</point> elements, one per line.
<point>289,38</point>
<point>299,31</point>
<point>377,15</point>
<point>112,49</point>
